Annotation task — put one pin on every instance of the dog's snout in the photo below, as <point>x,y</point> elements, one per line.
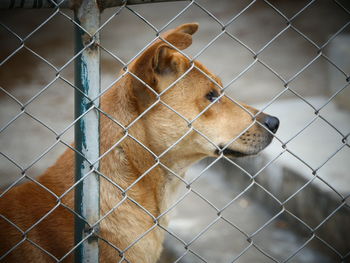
<point>272,123</point>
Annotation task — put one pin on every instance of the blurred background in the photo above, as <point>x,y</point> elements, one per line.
<point>290,201</point>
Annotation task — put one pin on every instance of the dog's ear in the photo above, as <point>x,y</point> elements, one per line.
<point>161,57</point>
<point>165,59</point>
<point>181,37</point>
<point>159,60</point>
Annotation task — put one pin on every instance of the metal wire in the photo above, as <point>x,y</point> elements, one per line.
<point>252,177</point>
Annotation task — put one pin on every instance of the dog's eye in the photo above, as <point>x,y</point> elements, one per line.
<point>212,95</point>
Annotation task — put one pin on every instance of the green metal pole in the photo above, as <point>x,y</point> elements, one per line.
<point>87,80</point>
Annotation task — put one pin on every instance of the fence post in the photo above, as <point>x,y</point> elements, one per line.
<point>87,82</point>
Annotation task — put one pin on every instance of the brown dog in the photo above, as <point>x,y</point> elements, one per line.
<point>180,114</point>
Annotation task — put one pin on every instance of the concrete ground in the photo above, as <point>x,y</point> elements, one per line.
<point>25,75</point>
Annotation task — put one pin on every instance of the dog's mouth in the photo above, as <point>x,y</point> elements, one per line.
<point>248,150</point>
<point>231,153</point>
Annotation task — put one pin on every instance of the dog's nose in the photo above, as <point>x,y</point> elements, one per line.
<point>271,123</point>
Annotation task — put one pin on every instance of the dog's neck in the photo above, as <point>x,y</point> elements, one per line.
<point>131,158</point>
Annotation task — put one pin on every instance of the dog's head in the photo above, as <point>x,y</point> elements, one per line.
<point>189,110</point>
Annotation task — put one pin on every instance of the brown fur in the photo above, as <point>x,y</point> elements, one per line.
<point>158,130</point>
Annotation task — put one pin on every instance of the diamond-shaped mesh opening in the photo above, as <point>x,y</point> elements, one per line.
<point>303,208</point>
<point>268,176</point>
<point>291,42</point>
<point>210,53</point>
<point>42,41</point>
<point>209,179</point>
<point>55,93</point>
<point>308,253</point>
<point>256,36</point>
<point>188,227</point>
<point>338,217</point>
<point>310,78</point>
<point>125,25</point>
<point>327,132</point>
<point>290,203</point>
<point>338,160</point>
<point>230,239</point>
<point>243,87</point>
<point>318,10</point>
<point>243,210</point>
<point>14,80</point>
<point>35,144</point>
<point>280,229</point>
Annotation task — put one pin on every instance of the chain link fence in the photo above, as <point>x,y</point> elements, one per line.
<point>310,209</point>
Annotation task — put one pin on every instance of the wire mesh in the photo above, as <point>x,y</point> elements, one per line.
<point>257,177</point>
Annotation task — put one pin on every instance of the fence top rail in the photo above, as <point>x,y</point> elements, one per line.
<point>71,4</point>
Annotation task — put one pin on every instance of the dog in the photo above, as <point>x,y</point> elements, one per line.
<point>189,121</point>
